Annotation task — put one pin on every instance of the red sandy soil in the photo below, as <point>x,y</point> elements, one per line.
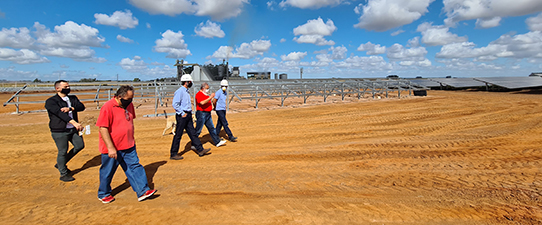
<point>448,158</point>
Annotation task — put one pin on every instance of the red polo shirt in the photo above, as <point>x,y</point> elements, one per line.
<point>200,96</point>
<point>119,122</point>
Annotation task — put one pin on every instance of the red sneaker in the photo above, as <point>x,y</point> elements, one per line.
<point>147,194</point>
<point>107,199</point>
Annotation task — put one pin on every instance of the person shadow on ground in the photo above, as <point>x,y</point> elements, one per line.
<point>96,161</point>
<point>150,170</point>
<point>188,147</point>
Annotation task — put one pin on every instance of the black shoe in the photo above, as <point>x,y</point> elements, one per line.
<point>69,171</point>
<point>233,139</point>
<point>204,152</point>
<point>177,157</point>
<point>67,178</point>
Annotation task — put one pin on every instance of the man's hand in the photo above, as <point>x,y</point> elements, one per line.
<point>212,95</point>
<point>77,125</point>
<point>65,109</point>
<point>112,153</point>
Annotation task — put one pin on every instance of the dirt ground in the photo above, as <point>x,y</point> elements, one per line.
<point>453,157</point>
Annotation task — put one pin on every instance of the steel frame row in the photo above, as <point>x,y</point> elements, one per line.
<point>245,90</point>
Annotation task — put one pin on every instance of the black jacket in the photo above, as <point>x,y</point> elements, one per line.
<point>58,119</point>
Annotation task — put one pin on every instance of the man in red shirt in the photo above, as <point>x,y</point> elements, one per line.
<point>117,146</point>
<point>204,105</point>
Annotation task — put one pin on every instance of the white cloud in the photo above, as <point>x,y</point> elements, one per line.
<point>460,10</point>
<point>313,39</point>
<point>244,51</point>
<point>520,46</point>
<point>173,44</point>
<point>293,56</point>
<point>148,26</point>
<point>219,9</point>
<point>69,40</point>
<point>372,49</point>
<point>133,65</point>
<point>313,32</point>
<point>395,33</point>
<point>216,9</point>
<point>488,23</point>
<point>270,5</point>
<point>316,27</point>
<point>152,70</point>
<point>23,56</point>
<point>123,20</point>
<point>399,53</point>
<point>209,30</point>
<point>16,38</point>
<point>364,63</point>
<point>310,4</point>
<point>282,40</point>
<point>11,74</point>
<point>338,52</point>
<point>535,23</point>
<point>166,7</point>
<point>70,35</point>
<point>414,42</point>
<point>438,35</point>
<point>383,15</point>
<point>124,39</point>
<point>82,54</point>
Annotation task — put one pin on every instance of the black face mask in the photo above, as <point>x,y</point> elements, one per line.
<point>189,84</point>
<point>125,103</point>
<point>65,91</point>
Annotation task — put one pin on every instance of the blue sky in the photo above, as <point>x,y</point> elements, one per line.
<point>142,39</point>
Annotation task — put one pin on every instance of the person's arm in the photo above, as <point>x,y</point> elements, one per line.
<point>54,108</point>
<point>77,106</point>
<point>106,137</point>
<point>176,102</point>
<point>208,99</point>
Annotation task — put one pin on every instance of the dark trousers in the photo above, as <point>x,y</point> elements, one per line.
<point>62,140</point>
<point>182,125</point>
<point>222,122</point>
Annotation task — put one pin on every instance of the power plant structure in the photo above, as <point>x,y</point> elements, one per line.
<point>208,72</point>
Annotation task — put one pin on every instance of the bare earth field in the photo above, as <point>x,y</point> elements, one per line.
<point>449,158</point>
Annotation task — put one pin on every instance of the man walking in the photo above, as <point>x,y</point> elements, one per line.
<point>183,113</point>
<point>117,146</point>
<point>221,96</point>
<point>203,114</point>
<point>64,125</point>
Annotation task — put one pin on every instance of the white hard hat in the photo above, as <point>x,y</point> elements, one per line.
<point>224,83</point>
<point>186,77</point>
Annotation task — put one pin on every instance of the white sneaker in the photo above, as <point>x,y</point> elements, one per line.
<point>222,142</point>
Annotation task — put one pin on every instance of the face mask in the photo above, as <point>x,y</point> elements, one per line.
<point>125,103</point>
<point>65,91</point>
<point>223,88</point>
<point>206,91</point>
<point>190,85</point>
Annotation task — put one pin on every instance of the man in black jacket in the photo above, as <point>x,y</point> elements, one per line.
<point>64,124</point>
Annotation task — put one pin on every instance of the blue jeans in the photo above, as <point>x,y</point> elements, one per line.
<point>222,122</point>
<point>129,161</point>
<point>62,140</point>
<point>205,118</point>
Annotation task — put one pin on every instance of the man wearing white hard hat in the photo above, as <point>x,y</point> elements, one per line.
<point>183,114</point>
<point>221,96</point>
